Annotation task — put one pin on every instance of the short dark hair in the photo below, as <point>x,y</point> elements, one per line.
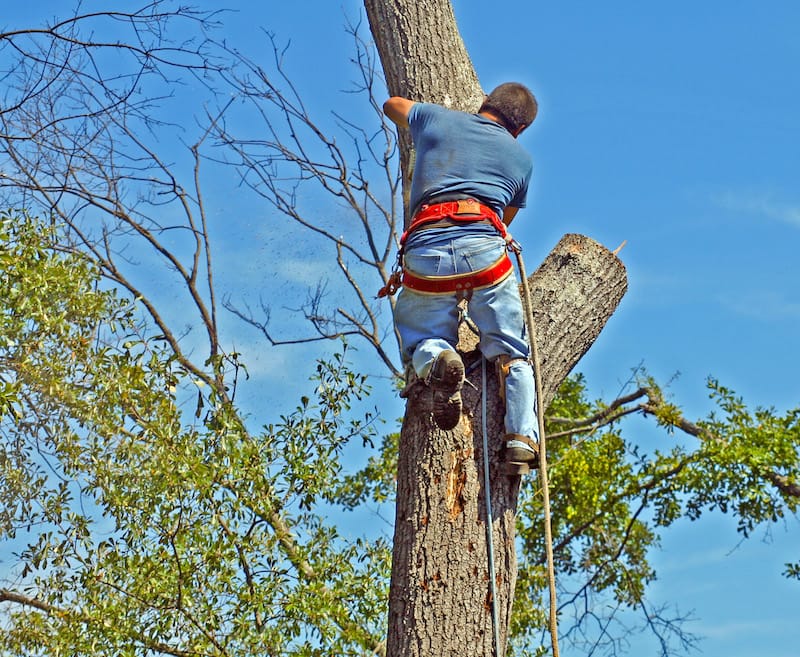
<point>513,104</point>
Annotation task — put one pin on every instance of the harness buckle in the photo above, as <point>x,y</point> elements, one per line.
<point>468,206</point>
<point>392,285</point>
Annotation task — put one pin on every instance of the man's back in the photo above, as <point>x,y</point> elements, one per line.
<point>466,155</point>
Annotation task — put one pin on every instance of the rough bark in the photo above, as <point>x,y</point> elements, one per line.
<point>439,602</point>
<point>422,52</point>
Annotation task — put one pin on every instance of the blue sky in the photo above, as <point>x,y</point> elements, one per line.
<point>673,127</point>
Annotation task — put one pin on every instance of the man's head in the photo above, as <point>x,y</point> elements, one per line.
<point>513,105</point>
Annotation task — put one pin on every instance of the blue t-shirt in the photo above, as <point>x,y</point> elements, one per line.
<point>466,155</point>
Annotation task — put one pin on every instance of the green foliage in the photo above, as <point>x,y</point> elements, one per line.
<point>611,499</point>
<point>150,524</point>
<point>376,482</point>
<point>150,519</point>
<point>792,570</point>
<point>744,451</point>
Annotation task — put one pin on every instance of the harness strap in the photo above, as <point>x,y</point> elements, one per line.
<point>518,437</point>
<point>459,283</point>
<point>464,210</point>
<point>503,363</point>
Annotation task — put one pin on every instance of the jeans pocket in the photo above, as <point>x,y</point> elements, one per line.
<point>425,264</point>
<point>484,255</point>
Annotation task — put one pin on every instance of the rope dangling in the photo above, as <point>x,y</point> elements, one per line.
<point>489,522</point>
<point>514,246</point>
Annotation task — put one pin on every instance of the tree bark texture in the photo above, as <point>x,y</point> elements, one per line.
<point>423,58</point>
<point>422,52</point>
<point>439,600</point>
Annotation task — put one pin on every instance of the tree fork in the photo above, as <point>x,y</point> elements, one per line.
<point>439,601</point>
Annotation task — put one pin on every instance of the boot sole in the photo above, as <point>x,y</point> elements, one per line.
<point>446,387</point>
<point>513,469</point>
<point>520,466</point>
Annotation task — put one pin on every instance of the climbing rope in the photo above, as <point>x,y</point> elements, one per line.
<point>489,523</point>
<point>548,530</point>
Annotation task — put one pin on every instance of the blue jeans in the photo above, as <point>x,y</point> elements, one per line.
<point>428,323</point>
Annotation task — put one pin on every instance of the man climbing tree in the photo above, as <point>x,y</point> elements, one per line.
<point>469,172</point>
<point>153,514</point>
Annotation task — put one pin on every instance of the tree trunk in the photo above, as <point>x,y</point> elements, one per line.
<point>439,601</point>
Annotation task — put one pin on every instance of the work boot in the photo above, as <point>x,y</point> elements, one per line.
<point>521,456</point>
<point>445,381</point>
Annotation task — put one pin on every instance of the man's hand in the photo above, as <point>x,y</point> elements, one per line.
<point>397,109</point>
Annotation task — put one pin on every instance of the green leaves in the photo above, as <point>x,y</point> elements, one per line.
<point>145,527</point>
<point>751,462</point>
<point>613,493</point>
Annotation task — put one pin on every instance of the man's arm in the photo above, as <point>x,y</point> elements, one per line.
<point>508,215</point>
<point>397,109</point>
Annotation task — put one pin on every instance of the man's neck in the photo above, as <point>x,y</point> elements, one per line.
<point>488,114</point>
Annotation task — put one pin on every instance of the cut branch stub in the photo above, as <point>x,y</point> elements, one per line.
<point>574,293</point>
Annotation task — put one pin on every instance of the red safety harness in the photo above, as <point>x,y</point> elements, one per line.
<point>462,284</point>
<point>466,211</point>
